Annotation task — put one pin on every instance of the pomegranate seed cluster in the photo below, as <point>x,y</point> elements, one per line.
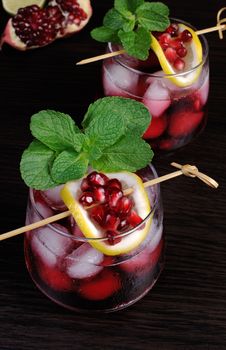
<point>113,211</point>
<point>38,27</point>
<point>34,25</point>
<point>75,13</point>
<point>173,44</point>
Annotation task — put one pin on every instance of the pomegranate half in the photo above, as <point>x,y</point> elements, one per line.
<point>34,27</point>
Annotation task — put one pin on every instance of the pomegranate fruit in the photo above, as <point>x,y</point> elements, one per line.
<point>34,27</point>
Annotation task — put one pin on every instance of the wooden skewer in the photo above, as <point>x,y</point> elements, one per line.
<point>218,27</point>
<point>188,170</point>
<point>211,29</point>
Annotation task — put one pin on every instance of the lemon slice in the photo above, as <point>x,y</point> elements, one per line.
<point>71,192</point>
<point>12,6</point>
<point>193,59</point>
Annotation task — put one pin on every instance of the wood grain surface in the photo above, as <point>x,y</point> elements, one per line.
<point>187,307</point>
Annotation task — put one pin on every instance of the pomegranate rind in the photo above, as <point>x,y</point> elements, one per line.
<point>9,36</point>
<point>70,193</point>
<point>194,59</point>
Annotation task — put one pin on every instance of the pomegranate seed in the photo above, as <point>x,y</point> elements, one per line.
<point>114,183</point>
<point>170,54</point>
<point>112,237</point>
<point>114,195</point>
<point>179,64</point>
<point>85,185</point>
<point>98,214</point>
<point>164,40</point>
<point>182,52</point>
<point>97,179</point>
<point>100,194</point>
<point>186,36</point>
<point>134,219</point>
<point>87,198</point>
<point>111,222</point>
<point>172,29</point>
<point>197,104</point>
<point>124,206</point>
<point>176,44</point>
<point>123,225</point>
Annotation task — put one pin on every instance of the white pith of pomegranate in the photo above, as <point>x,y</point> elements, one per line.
<point>174,44</point>
<point>33,27</point>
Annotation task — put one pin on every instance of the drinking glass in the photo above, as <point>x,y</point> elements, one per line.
<point>179,113</point>
<point>67,269</point>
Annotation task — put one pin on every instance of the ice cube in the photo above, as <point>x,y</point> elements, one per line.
<point>143,259</point>
<point>204,90</point>
<point>53,199</point>
<point>50,245</point>
<point>156,98</point>
<point>83,262</point>
<point>119,81</point>
<point>174,90</point>
<point>155,236</point>
<point>43,209</point>
<point>75,230</point>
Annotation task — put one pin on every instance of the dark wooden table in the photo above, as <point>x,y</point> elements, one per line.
<point>187,307</point>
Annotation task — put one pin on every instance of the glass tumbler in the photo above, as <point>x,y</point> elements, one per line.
<point>179,113</point>
<point>67,269</point>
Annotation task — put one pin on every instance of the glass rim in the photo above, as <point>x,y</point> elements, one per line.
<point>100,239</point>
<point>140,72</point>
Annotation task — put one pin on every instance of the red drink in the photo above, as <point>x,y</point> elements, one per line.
<point>178,112</point>
<point>66,268</point>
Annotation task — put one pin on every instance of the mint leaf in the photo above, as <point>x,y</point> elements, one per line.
<point>153,16</point>
<point>93,151</point>
<point>157,8</point>
<point>134,4</point>
<point>136,43</point>
<point>129,25</point>
<point>105,130</point>
<point>104,34</point>
<point>69,165</point>
<point>56,130</point>
<point>135,115</point>
<point>35,166</point>
<point>124,6</point>
<point>129,154</point>
<point>113,20</point>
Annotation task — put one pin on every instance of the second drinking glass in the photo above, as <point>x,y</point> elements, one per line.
<point>178,112</point>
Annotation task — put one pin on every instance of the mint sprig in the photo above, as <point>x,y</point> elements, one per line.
<point>129,24</point>
<point>111,140</point>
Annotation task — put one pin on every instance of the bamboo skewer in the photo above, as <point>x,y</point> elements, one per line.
<point>211,29</point>
<point>35,225</point>
<point>220,27</point>
<point>187,170</point>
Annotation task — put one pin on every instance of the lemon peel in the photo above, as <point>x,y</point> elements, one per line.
<point>194,58</point>
<point>94,233</point>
